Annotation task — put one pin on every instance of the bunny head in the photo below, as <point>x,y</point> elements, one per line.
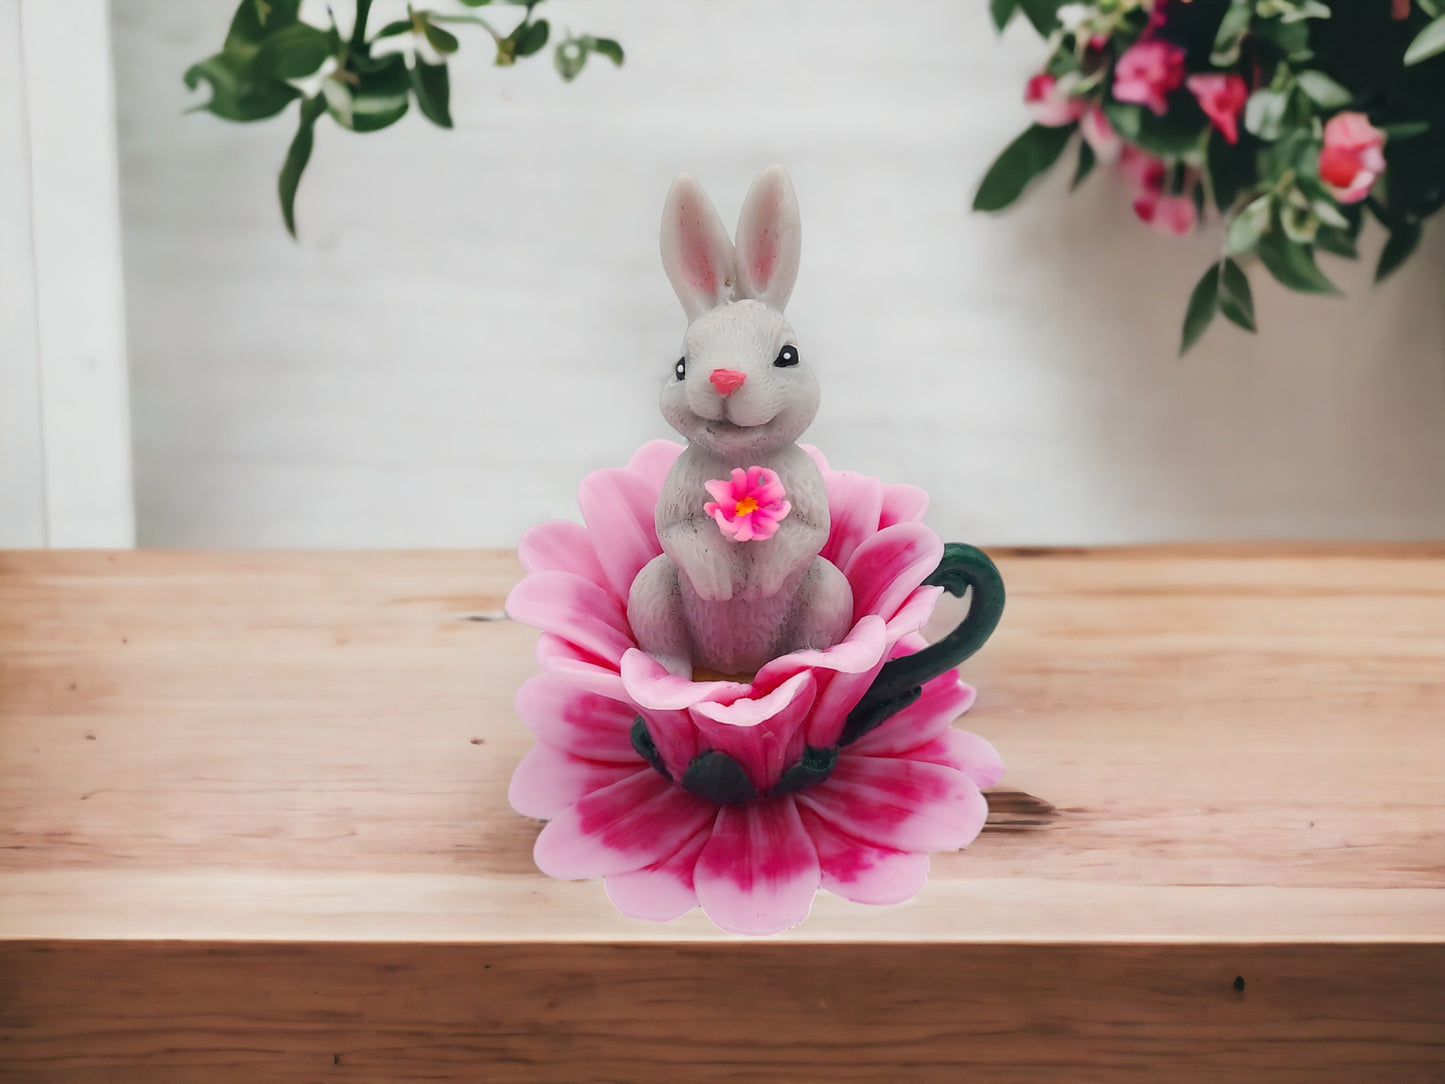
<point>740,389</point>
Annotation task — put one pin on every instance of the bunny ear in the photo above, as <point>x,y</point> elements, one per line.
<point>770,239</point>
<point>696,252</point>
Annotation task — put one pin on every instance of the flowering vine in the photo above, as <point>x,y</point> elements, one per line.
<point>1289,118</point>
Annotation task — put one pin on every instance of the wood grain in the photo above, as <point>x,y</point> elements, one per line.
<point>253,807</point>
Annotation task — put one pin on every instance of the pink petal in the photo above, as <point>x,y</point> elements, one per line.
<point>653,460</point>
<point>578,667</point>
<point>902,504</point>
<point>855,653</point>
<point>914,613</point>
<point>621,510</point>
<point>943,700</point>
<point>548,780</point>
<point>817,457</point>
<point>861,872</point>
<point>584,723</point>
<point>759,871</point>
<point>886,568</point>
<point>855,501</point>
<point>903,804</point>
<point>763,735</point>
<point>635,822</point>
<point>560,545</point>
<point>573,608</point>
<point>649,683</point>
<point>965,752</point>
<point>720,490</point>
<point>662,891</point>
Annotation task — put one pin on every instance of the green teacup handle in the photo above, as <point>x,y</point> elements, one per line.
<point>901,681</point>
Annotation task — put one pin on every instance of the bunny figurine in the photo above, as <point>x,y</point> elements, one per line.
<point>739,580</point>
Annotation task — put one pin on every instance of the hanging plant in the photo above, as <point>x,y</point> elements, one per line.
<point>368,81</point>
<point>1291,119</point>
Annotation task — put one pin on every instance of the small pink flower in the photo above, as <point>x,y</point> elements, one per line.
<point>1352,158</point>
<point>1048,99</point>
<point>748,506</point>
<point>862,831</point>
<point>1100,135</point>
<point>1222,96</point>
<point>1175,215</point>
<point>1143,171</point>
<point>1147,72</point>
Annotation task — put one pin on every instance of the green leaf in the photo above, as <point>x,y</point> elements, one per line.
<point>235,92</point>
<point>1407,129</point>
<point>432,87</point>
<point>1236,300</point>
<point>612,50</point>
<point>1429,42</point>
<point>443,41</point>
<point>1021,161</point>
<point>394,29</point>
<point>297,155</point>
<point>1403,240</point>
<point>1264,113</point>
<point>1085,166</point>
<point>1002,11</point>
<point>253,22</point>
<point>1293,264</point>
<point>1338,242</point>
<point>380,96</point>
<point>1230,35</point>
<point>1323,90</point>
<point>1178,132</point>
<point>1246,227</point>
<point>532,37</point>
<point>294,52</point>
<point>1203,304</point>
<point>1328,212</point>
<point>1307,9</point>
<point>1044,14</point>
<point>1292,39</point>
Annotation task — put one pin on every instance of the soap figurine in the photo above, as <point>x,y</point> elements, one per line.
<point>737,706</point>
<point>739,580</point>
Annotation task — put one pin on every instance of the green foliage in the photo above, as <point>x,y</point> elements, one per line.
<point>365,89</point>
<point>1302,62</point>
<point>1021,161</point>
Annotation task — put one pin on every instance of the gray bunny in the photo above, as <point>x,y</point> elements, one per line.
<point>741,394</point>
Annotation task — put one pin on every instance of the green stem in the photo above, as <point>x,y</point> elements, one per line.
<point>358,32</point>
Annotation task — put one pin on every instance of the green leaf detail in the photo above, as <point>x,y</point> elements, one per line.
<point>1429,42</point>
<point>380,97</point>
<point>1203,303</point>
<point>443,41</point>
<point>814,767</point>
<point>1264,113</point>
<point>293,53</point>
<point>297,155</point>
<point>1246,228</point>
<point>531,37</point>
<point>1323,90</point>
<point>1087,159</point>
<point>646,748</point>
<point>1403,240</point>
<point>1236,300</point>
<point>1043,14</point>
<point>432,87</point>
<point>236,93</point>
<point>1407,129</point>
<point>1001,11</point>
<point>1021,161</point>
<point>1293,264</point>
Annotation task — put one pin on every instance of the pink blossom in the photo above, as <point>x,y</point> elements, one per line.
<point>1048,99</point>
<point>1144,172</point>
<point>1352,158</point>
<point>1100,135</point>
<point>1175,215</point>
<point>749,505</point>
<point>1147,72</point>
<point>1222,96</point>
<point>861,831</point>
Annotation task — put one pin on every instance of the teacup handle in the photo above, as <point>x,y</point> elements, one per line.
<point>901,681</point>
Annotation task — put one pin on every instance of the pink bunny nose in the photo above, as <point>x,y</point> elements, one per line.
<point>726,381</point>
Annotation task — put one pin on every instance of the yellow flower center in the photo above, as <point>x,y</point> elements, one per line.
<point>745,507</point>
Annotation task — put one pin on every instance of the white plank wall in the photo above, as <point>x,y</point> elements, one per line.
<point>65,475</point>
<point>474,319</point>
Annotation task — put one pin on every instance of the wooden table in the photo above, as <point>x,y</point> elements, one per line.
<point>253,827</point>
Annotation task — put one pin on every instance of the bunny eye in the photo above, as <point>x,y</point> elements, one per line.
<point>680,369</point>
<point>788,355</point>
